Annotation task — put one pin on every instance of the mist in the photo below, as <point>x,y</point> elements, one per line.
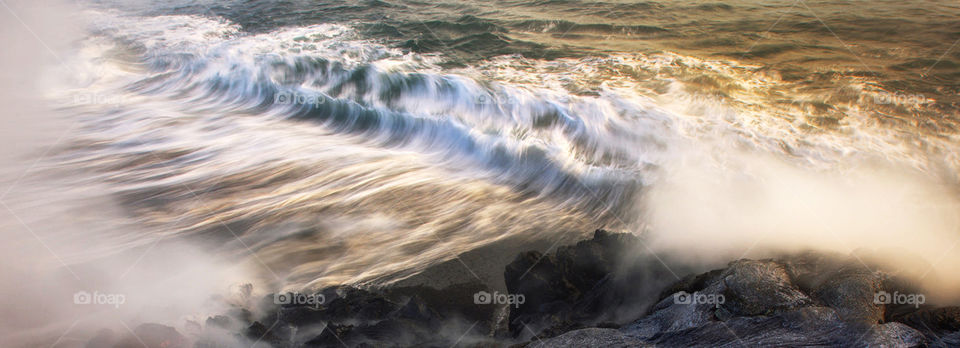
<point>62,236</point>
<point>721,207</point>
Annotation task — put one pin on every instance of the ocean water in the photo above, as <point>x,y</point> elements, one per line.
<point>361,142</point>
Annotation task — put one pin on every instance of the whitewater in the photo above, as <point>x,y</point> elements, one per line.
<point>316,155</point>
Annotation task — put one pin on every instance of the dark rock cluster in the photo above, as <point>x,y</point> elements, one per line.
<point>395,317</point>
<point>809,299</point>
<point>603,292</point>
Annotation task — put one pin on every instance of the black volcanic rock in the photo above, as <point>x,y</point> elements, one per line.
<point>933,321</point>
<point>333,335</point>
<point>590,337</point>
<point>595,281</point>
<point>760,288</point>
<point>851,292</point>
<point>258,332</point>
<point>603,292</point>
<point>390,317</point>
<point>555,285</point>
<point>800,300</point>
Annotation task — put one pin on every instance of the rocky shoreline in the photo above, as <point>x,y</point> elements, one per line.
<point>599,292</point>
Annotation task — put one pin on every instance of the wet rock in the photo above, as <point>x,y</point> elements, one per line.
<point>331,336</point>
<point>802,300</point>
<point>590,338</point>
<point>606,292</point>
<point>948,340</point>
<point>258,332</point>
<point>548,296</point>
<point>581,285</point>
<point>760,288</point>
<point>851,291</point>
<point>401,317</point>
<point>933,322</point>
<point>452,301</point>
